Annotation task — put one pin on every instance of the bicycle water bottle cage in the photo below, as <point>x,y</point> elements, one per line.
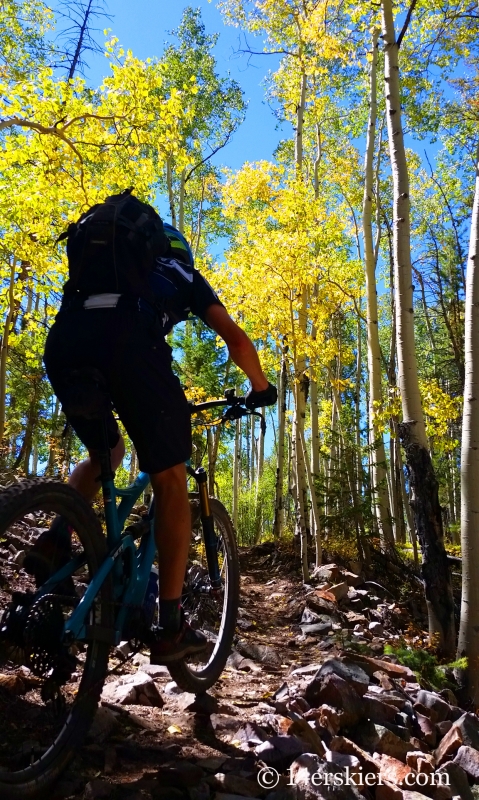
<point>85,394</point>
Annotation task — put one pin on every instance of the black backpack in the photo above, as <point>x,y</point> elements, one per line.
<point>113,247</point>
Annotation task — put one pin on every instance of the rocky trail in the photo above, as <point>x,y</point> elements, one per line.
<point>307,707</point>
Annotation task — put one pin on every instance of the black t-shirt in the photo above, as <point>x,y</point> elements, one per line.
<point>180,290</point>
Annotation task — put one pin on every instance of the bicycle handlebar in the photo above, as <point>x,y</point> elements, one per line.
<point>231,400</point>
<point>235,408</point>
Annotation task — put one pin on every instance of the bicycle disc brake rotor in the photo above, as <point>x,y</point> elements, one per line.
<point>43,636</point>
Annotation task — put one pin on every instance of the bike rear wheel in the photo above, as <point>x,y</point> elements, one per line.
<point>214,613</point>
<point>47,717</point>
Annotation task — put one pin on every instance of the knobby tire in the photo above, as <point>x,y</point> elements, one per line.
<point>200,680</point>
<point>48,495</point>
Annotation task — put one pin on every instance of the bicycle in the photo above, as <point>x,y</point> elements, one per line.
<point>65,640</point>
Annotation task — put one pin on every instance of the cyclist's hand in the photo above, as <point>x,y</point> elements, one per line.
<point>267,397</point>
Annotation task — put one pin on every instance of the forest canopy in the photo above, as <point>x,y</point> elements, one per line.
<point>306,250</point>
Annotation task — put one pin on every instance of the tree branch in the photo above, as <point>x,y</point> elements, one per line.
<point>213,152</point>
<point>53,131</point>
<point>10,122</point>
<point>406,23</point>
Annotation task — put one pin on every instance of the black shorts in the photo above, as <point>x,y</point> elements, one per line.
<point>136,363</point>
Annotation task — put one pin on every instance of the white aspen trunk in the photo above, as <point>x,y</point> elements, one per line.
<point>406,348</point>
<point>300,480</point>
<point>359,465</point>
<point>313,396</point>
<point>211,466</point>
<point>181,204</point>
<point>259,474</point>
<point>450,489</point>
<point>315,440</point>
<point>405,499</point>
<point>252,452</point>
<point>402,526</point>
<point>35,459</point>
<point>317,160</point>
<point>288,517</point>
<point>298,150</point>
<point>279,494</point>
<point>28,308</point>
<point>247,448</point>
<point>300,391</point>
<point>4,350</point>
<point>260,467</point>
<point>398,529</point>
<point>457,492</point>
<point>314,503</point>
<point>469,626</point>
<point>171,196</point>
<point>199,220</point>
<point>362,548</point>
<point>373,517</point>
<point>214,459</point>
<point>299,361</point>
<point>133,465</point>
<point>379,489</point>
<point>55,434</point>
<point>330,467</point>
<point>424,497</point>
<point>315,446</point>
<point>299,358</point>
<point>236,473</point>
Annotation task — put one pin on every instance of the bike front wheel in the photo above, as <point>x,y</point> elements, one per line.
<point>49,689</point>
<point>213,612</point>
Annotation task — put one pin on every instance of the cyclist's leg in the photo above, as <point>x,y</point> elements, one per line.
<point>84,477</point>
<point>53,548</point>
<point>173,529</point>
<point>173,534</point>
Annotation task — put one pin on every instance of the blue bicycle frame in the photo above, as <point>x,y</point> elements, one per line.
<point>131,565</point>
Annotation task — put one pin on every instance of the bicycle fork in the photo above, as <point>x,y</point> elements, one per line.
<point>209,535</point>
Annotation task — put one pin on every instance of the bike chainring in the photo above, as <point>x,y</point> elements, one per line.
<point>46,654</point>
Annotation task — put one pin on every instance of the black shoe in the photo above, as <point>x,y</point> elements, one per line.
<point>51,551</point>
<point>170,647</point>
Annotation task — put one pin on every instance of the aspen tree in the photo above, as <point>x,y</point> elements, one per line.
<point>236,472</point>
<point>259,476</point>
<point>424,486</point>
<point>469,627</point>
<point>379,492</point>
<point>4,346</point>
<point>279,490</point>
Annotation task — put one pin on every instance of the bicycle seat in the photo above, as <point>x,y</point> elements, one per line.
<point>85,394</point>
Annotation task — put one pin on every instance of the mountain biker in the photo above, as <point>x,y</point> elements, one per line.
<point>123,337</point>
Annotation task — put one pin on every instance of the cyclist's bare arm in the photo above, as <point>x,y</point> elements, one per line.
<point>240,346</point>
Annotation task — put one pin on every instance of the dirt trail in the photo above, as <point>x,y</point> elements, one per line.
<point>144,738</point>
<point>159,742</point>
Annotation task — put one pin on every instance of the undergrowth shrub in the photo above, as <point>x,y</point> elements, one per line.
<point>425,664</point>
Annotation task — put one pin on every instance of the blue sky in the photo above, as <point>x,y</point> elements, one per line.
<point>144,26</point>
